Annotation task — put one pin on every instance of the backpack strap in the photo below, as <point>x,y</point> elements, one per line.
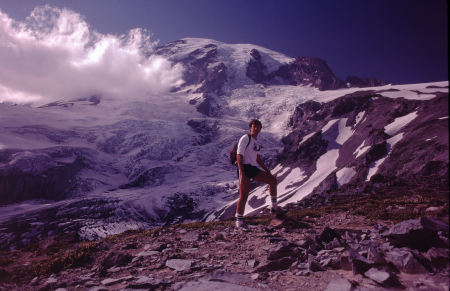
<point>249,139</point>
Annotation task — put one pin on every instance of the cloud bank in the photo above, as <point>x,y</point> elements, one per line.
<point>54,55</point>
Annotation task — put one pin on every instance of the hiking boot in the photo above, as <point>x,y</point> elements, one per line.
<point>277,210</point>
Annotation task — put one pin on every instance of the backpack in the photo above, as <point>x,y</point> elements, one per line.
<point>233,153</point>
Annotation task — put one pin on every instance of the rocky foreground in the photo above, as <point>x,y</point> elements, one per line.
<point>370,243</point>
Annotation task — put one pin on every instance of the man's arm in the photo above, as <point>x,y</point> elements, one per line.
<point>261,163</point>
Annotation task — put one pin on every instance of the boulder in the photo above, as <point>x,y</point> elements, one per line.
<point>117,259</point>
<point>420,234</point>
<point>281,250</point>
<point>439,257</point>
<point>381,277</point>
<point>404,260</point>
<point>328,235</point>
<point>276,265</point>
<point>360,265</point>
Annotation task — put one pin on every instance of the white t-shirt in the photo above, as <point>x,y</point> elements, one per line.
<point>250,152</point>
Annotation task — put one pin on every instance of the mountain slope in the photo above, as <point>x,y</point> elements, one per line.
<point>104,165</point>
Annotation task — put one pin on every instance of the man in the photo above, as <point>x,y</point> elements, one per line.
<point>248,160</point>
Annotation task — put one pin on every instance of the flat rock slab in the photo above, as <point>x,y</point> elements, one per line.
<point>339,285</point>
<point>147,253</point>
<point>111,281</point>
<point>179,264</point>
<point>190,237</point>
<point>233,278</point>
<point>213,285</point>
<point>381,277</point>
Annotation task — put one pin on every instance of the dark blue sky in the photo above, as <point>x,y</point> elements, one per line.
<point>400,41</point>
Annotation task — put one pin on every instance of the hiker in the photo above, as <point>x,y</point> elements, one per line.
<point>248,160</point>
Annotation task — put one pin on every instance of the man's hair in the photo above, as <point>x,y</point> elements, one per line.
<point>255,122</point>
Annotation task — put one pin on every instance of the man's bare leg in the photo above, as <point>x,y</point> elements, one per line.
<point>244,189</point>
<point>272,181</point>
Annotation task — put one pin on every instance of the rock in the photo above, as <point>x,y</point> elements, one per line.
<point>326,263</point>
<point>339,285</point>
<point>116,258</point>
<point>360,265</point>
<point>190,237</point>
<point>356,81</point>
<point>434,209</point>
<point>131,245</point>
<point>252,263</point>
<point>190,250</point>
<point>335,243</point>
<point>148,253</point>
<point>230,277</point>
<point>381,277</point>
<point>179,264</point>
<point>405,261</point>
<point>303,273</point>
<point>439,257</point>
<point>111,281</point>
<point>376,256</point>
<point>345,263</point>
<point>314,266</point>
<point>144,282</point>
<point>155,247</point>
<point>283,249</point>
<point>328,235</point>
<point>219,236</point>
<point>276,222</point>
<point>98,288</point>
<point>52,279</point>
<point>211,285</point>
<point>420,234</point>
<point>276,265</point>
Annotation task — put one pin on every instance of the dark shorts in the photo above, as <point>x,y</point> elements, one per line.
<point>251,171</point>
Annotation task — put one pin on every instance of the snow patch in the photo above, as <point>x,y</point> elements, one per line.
<point>326,164</point>
<point>344,176</point>
<point>306,137</point>
<point>345,132</point>
<point>359,117</point>
<point>361,149</point>
<point>399,123</point>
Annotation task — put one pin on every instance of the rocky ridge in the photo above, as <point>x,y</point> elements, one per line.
<point>317,245</point>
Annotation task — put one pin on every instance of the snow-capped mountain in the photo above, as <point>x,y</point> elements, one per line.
<point>99,165</point>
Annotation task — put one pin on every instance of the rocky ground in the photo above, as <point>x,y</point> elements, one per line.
<point>319,244</point>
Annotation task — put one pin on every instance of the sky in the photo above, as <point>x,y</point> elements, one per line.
<point>399,41</point>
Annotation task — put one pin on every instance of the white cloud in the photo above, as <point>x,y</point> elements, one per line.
<point>54,54</point>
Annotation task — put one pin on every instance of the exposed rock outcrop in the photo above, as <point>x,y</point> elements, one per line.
<point>308,255</point>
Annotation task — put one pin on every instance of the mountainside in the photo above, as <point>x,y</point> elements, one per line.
<point>99,165</point>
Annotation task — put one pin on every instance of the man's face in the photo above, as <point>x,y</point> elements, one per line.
<point>255,129</point>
